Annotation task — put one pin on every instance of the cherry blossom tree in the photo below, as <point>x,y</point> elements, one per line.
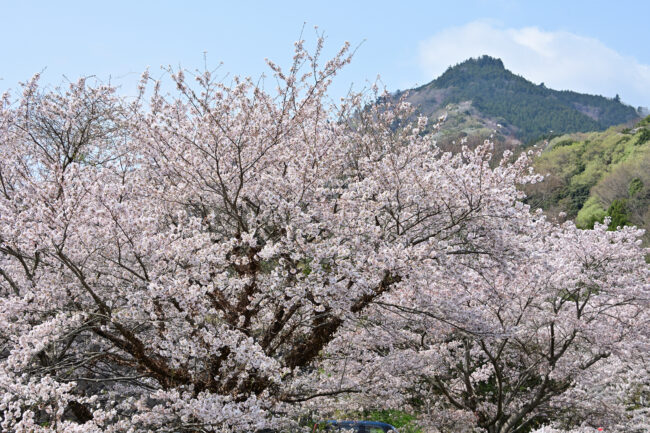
<point>553,330</point>
<point>182,265</point>
<point>203,262</point>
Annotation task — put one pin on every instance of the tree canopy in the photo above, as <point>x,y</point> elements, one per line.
<point>230,258</point>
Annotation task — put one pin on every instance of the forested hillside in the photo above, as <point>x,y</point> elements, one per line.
<point>594,175</point>
<point>515,106</point>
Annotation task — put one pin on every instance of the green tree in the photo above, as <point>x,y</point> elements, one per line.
<point>643,136</point>
<point>619,214</point>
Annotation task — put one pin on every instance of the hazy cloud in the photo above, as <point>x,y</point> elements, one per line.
<point>560,59</point>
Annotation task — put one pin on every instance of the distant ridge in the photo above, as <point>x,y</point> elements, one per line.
<point>486,90</point>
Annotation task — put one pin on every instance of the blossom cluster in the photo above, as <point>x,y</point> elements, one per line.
<point>231,258</point>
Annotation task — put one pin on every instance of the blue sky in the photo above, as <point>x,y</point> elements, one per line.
<point>595,46</point>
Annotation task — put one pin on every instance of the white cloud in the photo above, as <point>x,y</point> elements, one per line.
<point>560,59</point>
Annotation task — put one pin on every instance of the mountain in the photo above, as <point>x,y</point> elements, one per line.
<point>480,96</point>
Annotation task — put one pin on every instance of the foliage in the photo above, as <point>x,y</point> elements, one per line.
<point>403,421</point>
<point>588,172</point>
<point>618,213</point>
<point>644,122</point>
<point>635,187</point>
<point>406,423</point>
<point>644,136</point>
<point>591,213</point>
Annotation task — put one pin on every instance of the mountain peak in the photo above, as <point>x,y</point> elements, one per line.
<point>483,61</point>
<point>525,110</point>
<point>472,69</point>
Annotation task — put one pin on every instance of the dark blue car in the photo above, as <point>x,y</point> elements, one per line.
<point>355,426</point>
